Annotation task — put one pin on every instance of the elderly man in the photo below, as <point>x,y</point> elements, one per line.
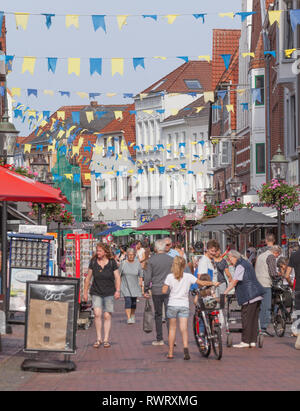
<point>158,267</point>
<point>169,249</point>
<point>266,271</point>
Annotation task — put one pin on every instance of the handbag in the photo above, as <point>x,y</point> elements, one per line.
<point>148,318</point>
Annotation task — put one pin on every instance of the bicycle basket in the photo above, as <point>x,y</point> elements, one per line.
<point>211,303</point>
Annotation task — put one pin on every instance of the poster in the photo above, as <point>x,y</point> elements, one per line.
<point>51,317</point>
<point>18,280</point>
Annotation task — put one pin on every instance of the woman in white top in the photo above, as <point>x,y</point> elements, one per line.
<point>179,283</point>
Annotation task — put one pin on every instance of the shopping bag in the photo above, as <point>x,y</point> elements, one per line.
<point>148,318</point>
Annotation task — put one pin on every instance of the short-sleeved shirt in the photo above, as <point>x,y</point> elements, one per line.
<point>179,290</point>
<point>221,267</point>
<point>295,264</point>
<point>103,279</point>
<point>205,266</point>
<point>130,273</point>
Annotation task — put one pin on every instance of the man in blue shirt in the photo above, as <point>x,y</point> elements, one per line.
<point>169,250</point>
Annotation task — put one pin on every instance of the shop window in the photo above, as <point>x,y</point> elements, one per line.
<point>260,158</point>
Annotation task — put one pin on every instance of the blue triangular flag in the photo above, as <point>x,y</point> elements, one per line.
<point>160,111</point>
<point>99,21</point>
<point>256,95</point>
<point>32,91</point>
<point>226,58</point>
<point>48,19</point>
<point>198,16</point>
<point>46,114</point>
<point>65,93</point>
<point>184,58</point>
<point>100,114</point>
<point>140,170</point>
<point>9,62</point>
<point>138,61</point>
<point>272,53</point>
<point>94,95</point>
<point>128,95</point>
<point>95,66</point>
<point>245,14</point>
<point>132,112</point>
<point>76,117</point>
<point>162,170</point>
<point>245,106</point>
<point>1,19</point>
<point>295,18</point>
<point>151,16</point>
<point>52,61</point>
<point>222,93</point>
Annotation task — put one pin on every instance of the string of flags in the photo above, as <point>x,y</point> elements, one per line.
<point>99,21</point>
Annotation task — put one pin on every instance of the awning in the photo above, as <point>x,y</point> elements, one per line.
<point>109,231</point>
<point>163,223</point>
<point>16,187</point>
<point>130,231</point>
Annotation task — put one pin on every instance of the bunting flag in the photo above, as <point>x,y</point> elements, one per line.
<point>89,116</point>
<point>207,58</point>
<point>289,52</point>
<point>122,21</point>
<point>274,16</point>
<point>82,94</point>
<point>48,19</point>
<point>171,18</point>
<point>209,96</point>
<point>96,66</point>
<point>21,20</point>
<point>226,58</point>
<point>138,61</point>
<point>248,54</point>
<point>52,61</point>
<point>230,108</point>
<point>27,148</point>
<point>202,16</point>
<point>256,95</point>
<point>15,91</point>
<point>74,66</point>
<point>32,92</point>
<point>245,106</point>
<point>245,14</point>
<point>230,15</point>
<point>99,21</point>
<point>151,16</point>
<point>1,19</point>
<point>72,20</point>
<point>222,94</point>
<point>295,18</point>
<point>117,66</point>
<point>61,115</point>
<point>28,64</point>
<point>272,53</point>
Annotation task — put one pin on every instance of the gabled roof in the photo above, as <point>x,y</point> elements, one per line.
<point>174,81</point>
<point>191,111</point>
<point>224,42</point>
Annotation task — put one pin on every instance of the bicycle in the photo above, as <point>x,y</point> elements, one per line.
<point>207,315</point>
<point>282,300</point>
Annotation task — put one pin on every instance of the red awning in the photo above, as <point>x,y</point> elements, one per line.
<point>163,223</point>
<point>15,187</point>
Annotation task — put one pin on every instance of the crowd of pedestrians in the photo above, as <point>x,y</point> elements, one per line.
<point>165,273</point>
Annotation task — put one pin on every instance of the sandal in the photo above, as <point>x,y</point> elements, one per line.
<point>186,354</point>
<point>97,344</point>
<point>170,357</point>
<point>106,344</point>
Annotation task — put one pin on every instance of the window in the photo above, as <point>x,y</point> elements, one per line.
<point>291,126</point>
<point>113,189</point>
<point>127,188</point>
<point>260,158</point>
<point>225,152</point>
<point>194,146</point>
<point>193,84</point>
<point>104,147</point>
<point>260,83</point>
<point>101,194</point>
<point>288,31</point>
<point>176,146</point>
<point>158,85</point>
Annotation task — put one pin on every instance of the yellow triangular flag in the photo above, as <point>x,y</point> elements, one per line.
<point>61,133</point>
<point>60,115</point>
<point>160,57</point>
<point>72,20</point>
<point>75,150</point>
<point>87,176</point>
<point>174,111</point>
<point>289,52</point>
<point>27,148</point>
<point>31,113</point>
<point>80,141</point>
<point>241,91</point>
<point>248,54</point>
<point>69,131</point>
<point>198,109</point>
<point>148,111</point>
<point>207,58</point>
<point>21,20</point>
<point>122,20</point>
<point>89,116</point>
<point>231,15</point>
<point>117,66</point>
<point>111,94</point>
<point>143,95</point>
<point>209,96</point>
<point>171,18</point>
<point>118,115</point>
<point>98,149</point>
<point>274,15</point>
<point>74,66</point>
<point>230,108</point>
<point>16,91</point>
<point>68,176</point>
<point>49,92</point>
<point>82,94</point>
<point>28,64</point>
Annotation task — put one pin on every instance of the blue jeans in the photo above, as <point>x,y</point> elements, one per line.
<point>265,309</point>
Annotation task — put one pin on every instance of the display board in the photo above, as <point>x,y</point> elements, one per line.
<point>51,316</point>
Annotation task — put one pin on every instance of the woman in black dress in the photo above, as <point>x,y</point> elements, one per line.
<point>105,288</point>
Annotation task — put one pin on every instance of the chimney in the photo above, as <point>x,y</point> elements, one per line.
<point>94,103</point>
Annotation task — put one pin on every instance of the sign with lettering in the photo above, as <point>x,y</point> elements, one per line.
<point>51,316</point>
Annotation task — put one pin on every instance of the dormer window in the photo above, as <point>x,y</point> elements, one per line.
<point>193,84</point>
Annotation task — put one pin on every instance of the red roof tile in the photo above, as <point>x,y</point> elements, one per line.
<point>174,81</point>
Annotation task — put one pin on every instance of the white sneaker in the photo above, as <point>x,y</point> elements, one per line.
<point>132,318</point>
<point>129,321</point>
<point>158,342</point>
<point>253,345</point>
<point>241,345</point>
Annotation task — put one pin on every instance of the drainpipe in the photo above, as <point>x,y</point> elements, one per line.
<point>267,84</point>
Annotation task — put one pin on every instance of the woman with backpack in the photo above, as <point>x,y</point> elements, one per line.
<point>105,288</point>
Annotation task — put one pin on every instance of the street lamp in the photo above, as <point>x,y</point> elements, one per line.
<point>279,167</point>
<point>40,166</point>
<point>210,196</point>
<point>236,187</point>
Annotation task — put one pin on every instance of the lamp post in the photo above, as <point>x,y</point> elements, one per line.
<point>236,187</point>
<point>210,196</point>
<point>279,167</point>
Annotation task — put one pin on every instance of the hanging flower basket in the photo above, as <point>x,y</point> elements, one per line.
<point>279,194</point>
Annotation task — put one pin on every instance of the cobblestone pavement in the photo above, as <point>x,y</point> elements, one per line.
<point>132,363</point>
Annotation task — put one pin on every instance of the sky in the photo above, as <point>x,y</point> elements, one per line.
<point>139,38</point>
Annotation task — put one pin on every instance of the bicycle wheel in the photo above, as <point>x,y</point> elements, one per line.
<point>279,323</point>
<point>203,343</point>
<point>217,341</point>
